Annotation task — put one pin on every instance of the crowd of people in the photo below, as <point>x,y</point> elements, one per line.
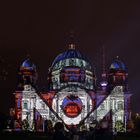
<point>59,131</point>
<point>95,131</point>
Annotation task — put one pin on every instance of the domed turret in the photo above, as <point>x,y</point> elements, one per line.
<point>27,74</point>
<point>117,75</point>
<point>27,63</point>
<point>118,65</point>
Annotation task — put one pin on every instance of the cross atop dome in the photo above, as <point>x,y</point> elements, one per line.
<point>117,57</point>
<point>72,46</point>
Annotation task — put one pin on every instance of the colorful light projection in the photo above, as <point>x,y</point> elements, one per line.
<point>27,71</point>
<point>72,106</point>
<point>72,74</point>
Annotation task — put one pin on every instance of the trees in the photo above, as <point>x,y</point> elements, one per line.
<point>25,125</point>
<point>119,126</point>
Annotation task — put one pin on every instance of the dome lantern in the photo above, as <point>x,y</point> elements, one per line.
<point>72,46</point>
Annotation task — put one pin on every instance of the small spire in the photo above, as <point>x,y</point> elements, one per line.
<point>28,56</point>
<point>104,76</point>
<point>103,62</point>
<point>72,40</point>
<point>103,58</point>
<point>72,36</point>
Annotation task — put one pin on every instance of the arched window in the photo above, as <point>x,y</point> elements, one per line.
<point>120,105</point>
<point>25,105</point>
<point>102,106</point>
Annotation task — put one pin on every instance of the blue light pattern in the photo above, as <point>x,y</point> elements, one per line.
<point>117,64</point>
<point>70,53</point>
<point>28,63</point>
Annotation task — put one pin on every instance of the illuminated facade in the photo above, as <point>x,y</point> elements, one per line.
<point>73,96</point>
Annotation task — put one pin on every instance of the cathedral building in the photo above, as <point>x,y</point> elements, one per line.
<point>73,96</point>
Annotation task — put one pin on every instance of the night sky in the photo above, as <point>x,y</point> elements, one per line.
<point>42,30</point>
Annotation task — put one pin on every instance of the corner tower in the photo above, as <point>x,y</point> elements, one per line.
<point>27,74</point>
<point>120,95</point>
<point>25,93</point>
<point>118,75</point>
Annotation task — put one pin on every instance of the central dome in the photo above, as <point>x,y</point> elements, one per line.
<point>71,67</point>
<point>70,53</point>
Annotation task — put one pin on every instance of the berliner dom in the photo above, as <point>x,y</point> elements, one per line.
<point>73,96</point>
